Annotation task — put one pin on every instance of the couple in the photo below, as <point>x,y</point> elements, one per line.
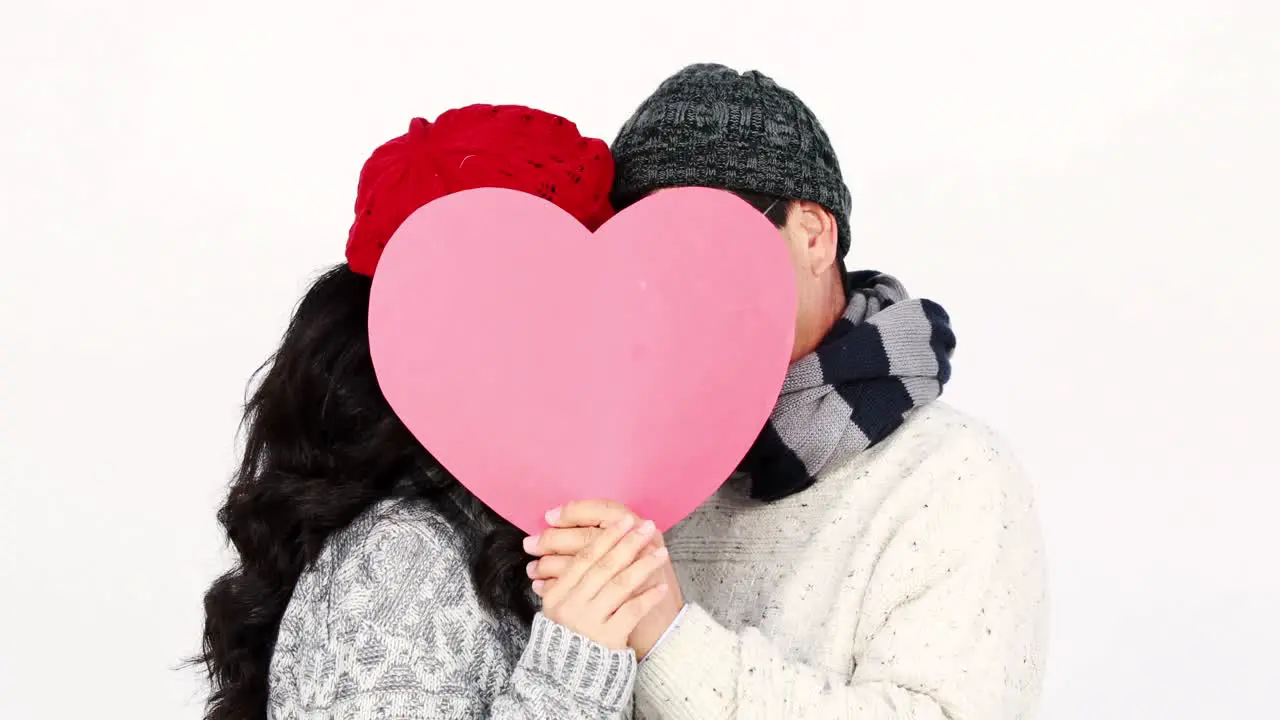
<point>877,557</point>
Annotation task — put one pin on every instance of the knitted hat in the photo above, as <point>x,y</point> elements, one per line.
<point>710,126</point>
<point>506,146</point>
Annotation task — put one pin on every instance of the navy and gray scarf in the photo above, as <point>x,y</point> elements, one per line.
<point>886,355</point>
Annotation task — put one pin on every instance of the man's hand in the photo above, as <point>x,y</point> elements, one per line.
<point>573,529</point>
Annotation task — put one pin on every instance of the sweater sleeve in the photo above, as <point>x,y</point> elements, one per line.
<point>951,627</point>
<point>395,631</point>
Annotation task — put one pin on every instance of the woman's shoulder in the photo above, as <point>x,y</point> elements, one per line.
<point>389,592</point>
<point>393,546</point>
<point>397,571</point>
<point>398,564</point>
<point>395,531</point>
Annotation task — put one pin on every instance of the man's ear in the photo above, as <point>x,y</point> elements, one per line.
<point>819,231</point>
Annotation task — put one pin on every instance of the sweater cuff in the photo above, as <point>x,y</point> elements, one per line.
<point>693,675</point>
<point>670,628</point>
<point>589,672</point>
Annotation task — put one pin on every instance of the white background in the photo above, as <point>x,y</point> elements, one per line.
<point>1089,187</point>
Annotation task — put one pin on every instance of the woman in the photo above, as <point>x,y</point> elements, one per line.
<point>369,582</point>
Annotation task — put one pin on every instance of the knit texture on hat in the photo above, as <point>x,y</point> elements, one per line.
<point>709,125</point>
<point>504,146</point>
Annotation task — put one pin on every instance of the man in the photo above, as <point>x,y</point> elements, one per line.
<point>879,556</point>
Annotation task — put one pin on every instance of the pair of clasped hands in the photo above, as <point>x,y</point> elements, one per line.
<point>604,573</point>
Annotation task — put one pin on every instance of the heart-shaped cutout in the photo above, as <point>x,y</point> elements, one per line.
<point>541,363</point>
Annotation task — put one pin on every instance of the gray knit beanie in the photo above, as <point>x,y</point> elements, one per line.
<point>711,126</point>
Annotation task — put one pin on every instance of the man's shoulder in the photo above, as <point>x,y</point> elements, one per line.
<point>968,465</point>
<point>942,429</point>
<point>941,447</point>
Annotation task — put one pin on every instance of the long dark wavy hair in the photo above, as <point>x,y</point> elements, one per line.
<point>322,445</point>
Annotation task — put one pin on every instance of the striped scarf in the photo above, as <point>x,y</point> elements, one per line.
<point>885,356</point>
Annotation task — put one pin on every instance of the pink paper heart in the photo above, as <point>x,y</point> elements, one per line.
<point>540,363</point>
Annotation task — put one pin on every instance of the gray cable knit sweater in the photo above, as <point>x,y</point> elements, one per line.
<point>387,625</point>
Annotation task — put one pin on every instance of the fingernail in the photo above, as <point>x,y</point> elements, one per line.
<point>661,553</point>
<point>537,587</point>
<point>529,568</point>
<point>553,516</point>
<point>626,521</point>
<point>531,543</point>
<point>663,588</point>
<point>646,528</point>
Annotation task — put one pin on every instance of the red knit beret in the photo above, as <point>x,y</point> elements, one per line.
<point>506,146</point>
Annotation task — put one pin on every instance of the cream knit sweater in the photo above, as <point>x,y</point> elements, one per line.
<point>908,584</point>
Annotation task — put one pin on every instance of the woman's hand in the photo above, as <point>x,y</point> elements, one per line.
<point>577,526</point>
<point>601,593</point>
